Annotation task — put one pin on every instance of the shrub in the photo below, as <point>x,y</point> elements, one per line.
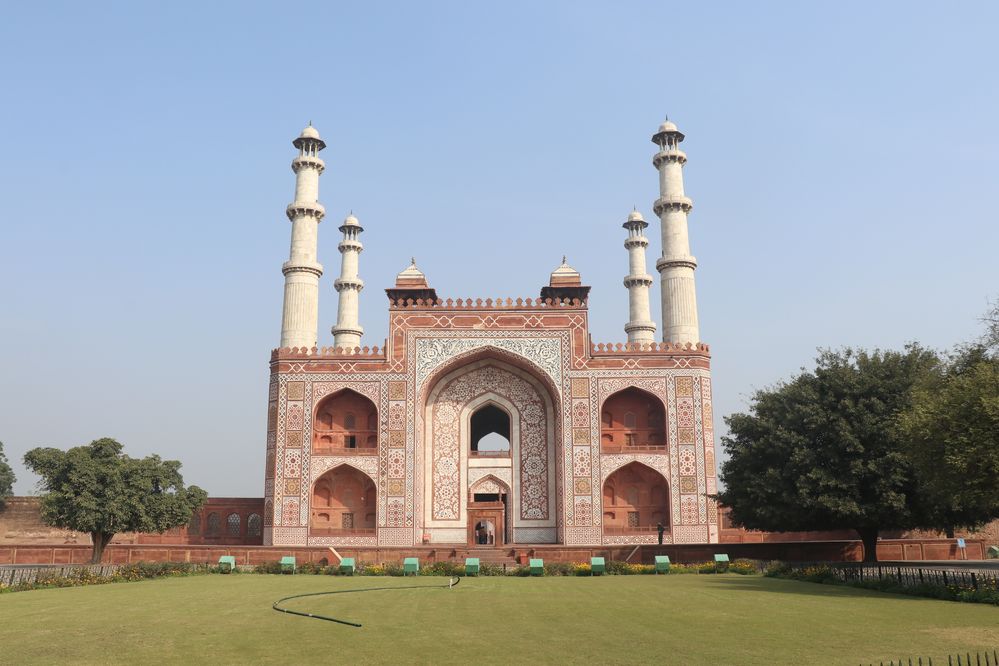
<point>743,567</point>
<point>443,569</point>
<point>559,569</point>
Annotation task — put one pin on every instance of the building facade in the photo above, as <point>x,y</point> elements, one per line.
<point>490,422</point>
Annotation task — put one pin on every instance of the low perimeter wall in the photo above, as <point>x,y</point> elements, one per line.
<point>798,551</point>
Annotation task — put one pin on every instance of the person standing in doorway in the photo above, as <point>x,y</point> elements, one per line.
<point>660,529</point>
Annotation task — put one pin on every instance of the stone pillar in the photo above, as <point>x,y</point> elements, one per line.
<point>640,327</point>
<point>676,266</point>
<point>347,332</point>
<point>300,317</point>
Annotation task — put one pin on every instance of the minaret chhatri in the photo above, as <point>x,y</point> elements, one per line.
<point>300,318</point>
<point>640,327</point>
<point>347,332</point>
<point>676,266</point>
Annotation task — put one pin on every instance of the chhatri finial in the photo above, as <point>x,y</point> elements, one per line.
<point>563,260</point>
<point>412,261</point>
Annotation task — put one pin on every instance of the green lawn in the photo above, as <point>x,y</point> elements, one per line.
<point>686,619</point>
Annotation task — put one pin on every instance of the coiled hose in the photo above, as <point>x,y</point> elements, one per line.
<point>451,583</point>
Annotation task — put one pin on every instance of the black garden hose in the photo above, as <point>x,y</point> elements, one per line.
<point>451,583</point>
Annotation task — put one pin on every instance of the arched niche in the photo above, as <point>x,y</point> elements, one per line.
<point>632,421</point>
<point>635,500</point>
<point>345,422</point>
<point>344,501</point>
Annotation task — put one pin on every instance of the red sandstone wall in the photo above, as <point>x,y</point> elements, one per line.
<point>21,524</point>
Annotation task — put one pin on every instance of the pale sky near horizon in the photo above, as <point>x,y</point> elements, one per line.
<point>844,162</point>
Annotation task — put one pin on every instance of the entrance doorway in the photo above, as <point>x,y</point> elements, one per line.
<point>487,524</point>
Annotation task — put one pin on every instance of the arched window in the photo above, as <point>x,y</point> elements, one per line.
<point>214,524</point>
<point>606,419</point>
<point>630,421</point>
<point>349,421</point>
<point>254,525</point>
<point>232,524</point>
<point>194,527</point>
<point>490,431</point>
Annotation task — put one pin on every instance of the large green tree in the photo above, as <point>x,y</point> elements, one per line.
<point>99,490</point>
<point>822,451</point>
<point>6,477</point>
<point>953,433</point>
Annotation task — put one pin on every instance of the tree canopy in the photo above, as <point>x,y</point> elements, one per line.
<point>953,433</point>
<point>823,450</point>
<point>6,477</point>
<point>99,490</point>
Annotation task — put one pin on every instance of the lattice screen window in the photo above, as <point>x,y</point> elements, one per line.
<point>232,524</point>
<point>347,521</point>
<point>254,525</point>
<point>632,519</point>
<point>214,524</point>
<point>194,527</point>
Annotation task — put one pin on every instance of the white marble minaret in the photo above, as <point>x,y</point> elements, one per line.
<point>676,266</point>
<point>640,327</point>
<point>300,318</point>
<point>347,332</point>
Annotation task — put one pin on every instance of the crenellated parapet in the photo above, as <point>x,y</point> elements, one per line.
<point>487,304</point>
<point>329,352</point>
<point>618,348</point>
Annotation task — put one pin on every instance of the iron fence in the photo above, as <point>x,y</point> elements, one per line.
<point>986,658</point>
<point>10,576</point>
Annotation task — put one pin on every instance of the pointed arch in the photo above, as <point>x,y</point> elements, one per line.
<point>489,483</point>
<point>344,501</point>
<point>345,421</point>
<point>635,501</point>
<point>444,427</point>
<point>633,420</point>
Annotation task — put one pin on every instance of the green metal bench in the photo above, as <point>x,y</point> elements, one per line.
<point>347,566</point>
<point>537,567</point>
<point>662,564</point>
<point>410,565</point>
<point>597,566</point>
<point>288,564</point>
<point>471,566</point>
<point>227,564</point>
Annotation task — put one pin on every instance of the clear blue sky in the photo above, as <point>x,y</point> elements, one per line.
<point>844,162</point>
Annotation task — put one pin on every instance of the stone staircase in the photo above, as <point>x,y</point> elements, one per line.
<point>494,556</point>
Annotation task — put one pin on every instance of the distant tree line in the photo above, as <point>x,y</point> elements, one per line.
<point>871,440</point>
